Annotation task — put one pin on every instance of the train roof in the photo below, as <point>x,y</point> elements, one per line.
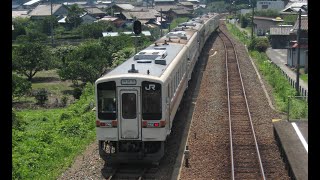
<point>154,59</point>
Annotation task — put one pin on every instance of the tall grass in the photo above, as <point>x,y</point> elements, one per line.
<point>283,93</point>
<point>51,138</point>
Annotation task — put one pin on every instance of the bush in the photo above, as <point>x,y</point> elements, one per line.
<point>20,86</point>
<point>259,44</point>
<point>244,22</point>
<point>17,121</point>
<point>65,116</point>
<point>41,96</point>
<point>262,44</point>
<point>64,101</point>
<point>77,92</point>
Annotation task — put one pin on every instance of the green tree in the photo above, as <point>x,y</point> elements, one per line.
<point>267,13</point>
<point>61,53</point>
<point>33,36</point>
<point>290,19</point>
<point>121,56</point>
<point>20,86</point>
<point>30,58</point>
<point>73,17</point>
<point>94,30</point>
<point>18,123</point>
<point>41,96</point>
<point>46,24</point>
<point>114,44</point>
<point>259,44</point>
<point>262,44</point>
<point>244,21</point>
<point>85,63</point>
<point>19,25</point>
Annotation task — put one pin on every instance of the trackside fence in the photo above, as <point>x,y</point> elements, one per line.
<point>302,91</point>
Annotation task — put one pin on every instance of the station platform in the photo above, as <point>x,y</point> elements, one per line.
<point>292,139</point>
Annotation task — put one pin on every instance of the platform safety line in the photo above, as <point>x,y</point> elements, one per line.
<point>305,144</point>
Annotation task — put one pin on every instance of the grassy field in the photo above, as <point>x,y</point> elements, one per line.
<point>303,75</point>
<point>46,141</point>
<point>56,88</point>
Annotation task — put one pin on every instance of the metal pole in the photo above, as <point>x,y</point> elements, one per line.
<point>288,114</point>
<point>252,25</point>
<point>136,43</point>
<point>298,60</point>
<point>51,20</point>
<point>161,23</point>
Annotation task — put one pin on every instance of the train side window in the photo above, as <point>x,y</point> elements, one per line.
<point>177,77</point>
<point>172,87</point>
<point>107,104</point>
<point>176,82</point>
<point>169,91</point>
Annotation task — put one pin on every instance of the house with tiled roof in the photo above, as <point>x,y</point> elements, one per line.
<point>114,20</point>
<point>270,4</point>
<point>295,7</point>
<point>280,36</point>
<point>31,4</point>
<point>182,12</point>
<point>174,11</point>
<point>194,1</point>
<point>20,13</point>
<point>187,4</point>
<point>164,2</point>
<point>121,7</point>
<point>144,15</point>
<point>116,9</point>
<point>95,12</point>
<point>165,8</point>
<point>262,24</point>
<point>292,53</point>
<point>44,10</point>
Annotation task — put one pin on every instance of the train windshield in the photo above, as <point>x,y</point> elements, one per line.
<point>107,105</point>
<point>151,101</point>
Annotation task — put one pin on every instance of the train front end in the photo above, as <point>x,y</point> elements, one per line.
<point>130,125</point>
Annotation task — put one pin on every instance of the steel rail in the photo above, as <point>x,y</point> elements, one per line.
<point>247,107</point>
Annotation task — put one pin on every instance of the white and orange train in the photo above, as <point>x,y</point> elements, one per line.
<point>137,101</point>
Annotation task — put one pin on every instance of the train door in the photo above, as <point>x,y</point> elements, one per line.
<point>129,113</point>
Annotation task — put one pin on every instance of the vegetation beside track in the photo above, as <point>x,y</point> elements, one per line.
<point>46,141</point>
<point>282,90</point>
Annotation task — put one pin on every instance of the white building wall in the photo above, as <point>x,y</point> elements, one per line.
<point>273,5</point>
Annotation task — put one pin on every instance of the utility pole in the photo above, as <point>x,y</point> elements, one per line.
<point>161,22</point>
<point>252,25</point>
<point>298,58</point>
<point>51,20</point>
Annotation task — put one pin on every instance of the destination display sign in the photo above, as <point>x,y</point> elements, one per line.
<point>128,82</point>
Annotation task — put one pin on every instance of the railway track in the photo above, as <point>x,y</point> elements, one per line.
<point>130,172</point>
<point>245,157</point>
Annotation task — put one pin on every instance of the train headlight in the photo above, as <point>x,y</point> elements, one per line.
<point>157,124</point>
<point>107,124</point>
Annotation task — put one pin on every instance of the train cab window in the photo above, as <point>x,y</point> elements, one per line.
<point>151,101</point>
<point>107,105</point>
